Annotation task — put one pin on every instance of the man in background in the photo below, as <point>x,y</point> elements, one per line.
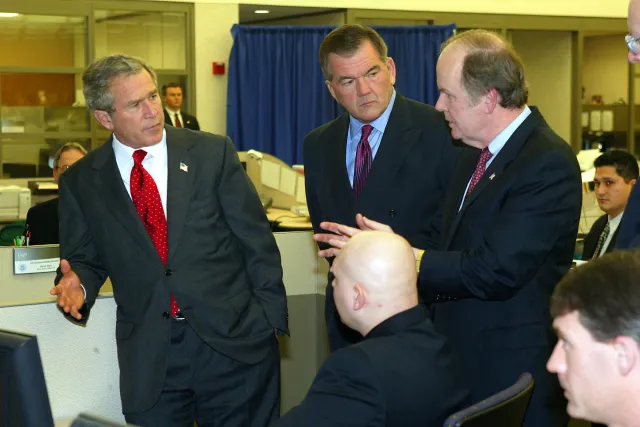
<point>596,310</point>
<point>616,174</point>
<point>172,97</point>
<point>387,156</point>
<point>510,225</point>
<point>629,234</point>
<point>403,373</point>
<point>42,224</point>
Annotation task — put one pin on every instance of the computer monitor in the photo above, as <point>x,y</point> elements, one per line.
<point>24,400</point>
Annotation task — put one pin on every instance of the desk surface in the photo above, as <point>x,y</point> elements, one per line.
<point>288,220</point>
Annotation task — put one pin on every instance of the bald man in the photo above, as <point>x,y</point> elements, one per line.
<point>402,373</point>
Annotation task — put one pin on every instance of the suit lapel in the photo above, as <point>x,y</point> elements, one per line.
<point>180,175</point>
<point>397,141</point>
<point>336,163</point>
<point>108,184</point>
<point>506,155</point>
<point>464,170</point>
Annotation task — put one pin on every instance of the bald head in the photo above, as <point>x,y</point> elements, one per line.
<point>375,278</point>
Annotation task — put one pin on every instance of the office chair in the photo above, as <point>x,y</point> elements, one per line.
<point>504,409</point>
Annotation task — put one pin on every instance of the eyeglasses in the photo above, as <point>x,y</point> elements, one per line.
<point>632,43</point>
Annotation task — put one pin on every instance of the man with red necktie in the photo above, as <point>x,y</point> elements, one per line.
<point>388,156</point>
<point>509,226</point>
<point>171,218</point>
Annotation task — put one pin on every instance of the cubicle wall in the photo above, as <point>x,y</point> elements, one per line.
<point>80,362</point>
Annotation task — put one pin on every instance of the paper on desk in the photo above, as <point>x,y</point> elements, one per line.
<point>301,195</point>
<point>270,174</point>
<point>288,181</point>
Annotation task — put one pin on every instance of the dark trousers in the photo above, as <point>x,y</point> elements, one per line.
<point>212,389</point>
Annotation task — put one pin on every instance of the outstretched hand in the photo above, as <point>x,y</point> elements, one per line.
<point>69,293</point>
<point>340,234</point>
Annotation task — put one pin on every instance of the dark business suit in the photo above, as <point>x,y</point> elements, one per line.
<point>223,264</point>
<point>188,121</point>
<point>42,222</point>
<point>404,188</point>
<point>502,255</point>
<point>403,374</point>
<point>591,241</point>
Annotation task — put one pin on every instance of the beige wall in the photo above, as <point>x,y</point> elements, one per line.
<point>547,59</point>
<point>336,19</point>
<point>213,24</point>
<point>605,68</point>
<point>594,8</point>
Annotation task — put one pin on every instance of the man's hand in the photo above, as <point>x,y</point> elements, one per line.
<point>69,292</point>
<point>340,234</point>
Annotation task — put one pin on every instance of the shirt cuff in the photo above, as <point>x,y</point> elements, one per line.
<point>85,292</point>
<point>418,259</point>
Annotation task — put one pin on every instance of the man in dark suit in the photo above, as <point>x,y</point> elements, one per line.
<point>388,157</point>
<point>403,373</point>
<point>616,174</point>
<point>42,224</point>
<point>510,223</point>
<point>629,233</point>
<point>172,97</point>
<point>171,218</point>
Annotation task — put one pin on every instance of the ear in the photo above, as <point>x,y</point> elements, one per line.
<point>633,182</point>
<point>360,298</point>
<point>626,351</point>
<point>56,174</point>
<point>331,91</point>
<point>491,100</point>
<point>103,118</point>
<point>391,66</point>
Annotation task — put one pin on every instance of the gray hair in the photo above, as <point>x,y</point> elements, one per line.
<point>67,147</point>
<point>96,79</point>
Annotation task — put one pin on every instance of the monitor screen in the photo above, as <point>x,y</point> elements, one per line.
<point>24,400</point>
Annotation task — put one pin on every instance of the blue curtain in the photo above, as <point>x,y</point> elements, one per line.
<point>276,92</point>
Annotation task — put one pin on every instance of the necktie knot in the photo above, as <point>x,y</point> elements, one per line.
<point>366,131</point>
<point>485,156</point>
<point>138,157</point>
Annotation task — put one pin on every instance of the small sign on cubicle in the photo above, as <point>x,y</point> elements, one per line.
<point>36,259</point>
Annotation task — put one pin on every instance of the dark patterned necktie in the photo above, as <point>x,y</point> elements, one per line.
<point>601,240</point>
<point>485,156</point>
<point>363,160</point>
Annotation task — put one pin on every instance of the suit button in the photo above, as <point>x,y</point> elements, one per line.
<point>168,272</point>
<point>166,315</point>
<point>392,213</point>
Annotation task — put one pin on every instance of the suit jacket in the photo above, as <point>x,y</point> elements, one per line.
<point>190,122</point>
<point>591,241</point>
<point>404,188</point>
<point>223,264</point>
<point>502,255</point>
<point>628,236</point>
<point>403,374</point>
<point>42,222</point>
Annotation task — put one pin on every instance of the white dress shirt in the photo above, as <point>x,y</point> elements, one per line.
<point>613,226</point>
<point>155,162</point>
<point>172,115</point>
<point>499,142</point>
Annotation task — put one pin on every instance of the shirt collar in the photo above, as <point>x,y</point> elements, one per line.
<point>379,124</point>
<point>171,112</point>
<point>501,139</point>
<point>399,322</point>
<point>124,151</point>
<point>616,220</point>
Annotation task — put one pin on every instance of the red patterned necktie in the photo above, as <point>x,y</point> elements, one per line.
<point>485,156</point>
<point>178,122</point>
<point>146,199</point>
<point>363,160</point>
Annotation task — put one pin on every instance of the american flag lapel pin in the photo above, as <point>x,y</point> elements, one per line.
<point>493,175</point>
<point>184,167</point>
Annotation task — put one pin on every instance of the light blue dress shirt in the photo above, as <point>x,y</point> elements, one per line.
<point>355,131</point>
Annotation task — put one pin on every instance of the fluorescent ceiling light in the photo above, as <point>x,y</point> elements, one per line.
<point>261,11</point>
<point>8,15</point>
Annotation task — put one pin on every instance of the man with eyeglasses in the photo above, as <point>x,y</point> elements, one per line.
<point>629,231</point>
<point>42,219</point>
